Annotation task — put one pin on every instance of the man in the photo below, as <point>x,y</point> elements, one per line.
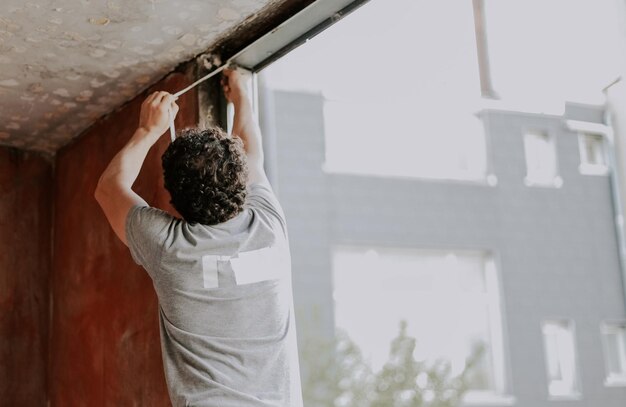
<point>222,273</point>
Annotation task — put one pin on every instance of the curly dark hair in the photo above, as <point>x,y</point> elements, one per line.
<point>206,172</point>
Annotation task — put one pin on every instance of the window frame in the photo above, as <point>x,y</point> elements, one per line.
<point>295,31</point>
<point>570,324</point>
<point>583,128</point>
<point>612,380</point>
<point>585,166</point>
<point>556,181</point>
<point>501,395</point>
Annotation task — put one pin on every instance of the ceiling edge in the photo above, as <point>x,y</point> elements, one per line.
<point>227,45</point>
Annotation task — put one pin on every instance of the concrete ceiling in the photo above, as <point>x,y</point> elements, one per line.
<point>65,63</point>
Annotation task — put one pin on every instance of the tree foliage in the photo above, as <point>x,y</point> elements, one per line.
<point>337,375</point>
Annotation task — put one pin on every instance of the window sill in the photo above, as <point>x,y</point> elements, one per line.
<point>565,397</point>
<point>615,381</point>
<point>557,182</point>
<point>484,398</point>
<point>589,169</point>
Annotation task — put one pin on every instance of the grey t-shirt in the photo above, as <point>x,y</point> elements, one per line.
<point>225,304</point>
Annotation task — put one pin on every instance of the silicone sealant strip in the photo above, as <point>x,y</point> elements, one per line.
<point>188,88</point>
<point>229,63</point>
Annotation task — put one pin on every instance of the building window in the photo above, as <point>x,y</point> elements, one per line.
<point>560,354</point>
<point>592,154</point>
<point>541,162</point>
<point>450,302</point>
<point>614,341</point>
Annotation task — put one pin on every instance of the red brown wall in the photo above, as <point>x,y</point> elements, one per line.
<point>25,230</point>
<point>105,345</point>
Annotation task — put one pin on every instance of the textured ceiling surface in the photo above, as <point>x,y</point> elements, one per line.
<point>65,63</point>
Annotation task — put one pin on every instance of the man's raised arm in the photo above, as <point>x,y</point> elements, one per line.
<point>244,124</point>
<point>114,191</point>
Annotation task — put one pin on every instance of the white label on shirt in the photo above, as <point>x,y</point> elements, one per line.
<point>209,270</point>
<point>258,265</point>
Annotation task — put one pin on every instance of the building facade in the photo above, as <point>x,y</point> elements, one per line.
<point>541,225</point>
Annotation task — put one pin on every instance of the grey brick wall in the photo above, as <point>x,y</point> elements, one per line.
<point>556,247</point>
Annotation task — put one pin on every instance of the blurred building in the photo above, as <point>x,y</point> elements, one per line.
<point>521,256</point>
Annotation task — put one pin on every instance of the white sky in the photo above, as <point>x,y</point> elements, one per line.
<point>385,47</point>
<point>561,49</point>
<point>406,72</point>
<point>566,49</point>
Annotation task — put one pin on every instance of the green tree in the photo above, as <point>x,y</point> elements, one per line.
<point>336,375</point>
<point>405,382</point>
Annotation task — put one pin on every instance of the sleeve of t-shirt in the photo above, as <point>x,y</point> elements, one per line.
<point>146,232</point>
<point>262,198</point>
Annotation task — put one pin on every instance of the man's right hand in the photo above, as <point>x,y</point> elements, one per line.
<point>245,126</point>
<point>156,111</point>
<point>235,85</point>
